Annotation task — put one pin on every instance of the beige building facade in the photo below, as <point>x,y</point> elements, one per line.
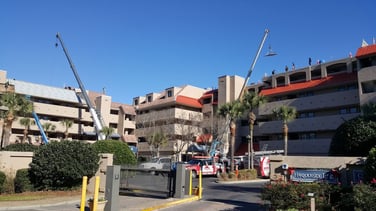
<point>53,105</point>
<point>325,95</point>
<point>175,113</point>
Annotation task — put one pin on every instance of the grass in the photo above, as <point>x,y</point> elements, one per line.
<point>31,196</point>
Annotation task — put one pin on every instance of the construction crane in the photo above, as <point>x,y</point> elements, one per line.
<point>97,123</point>
<point>242,91</point>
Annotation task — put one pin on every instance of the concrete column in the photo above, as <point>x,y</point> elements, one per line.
<point>112,188</point>
<point>180,181</point>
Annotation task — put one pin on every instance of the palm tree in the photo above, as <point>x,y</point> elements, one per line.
<point>251,101</point>
<point>156,140</point>
<point>67,123</point>
<point>26,122</point>
<point>48,127</point>
<point>286,114</point>
<point>17,105</point>
<point>231,111</point>
<point>107,131</point>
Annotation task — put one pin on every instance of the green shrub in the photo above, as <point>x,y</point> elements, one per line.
<point>122,153</point>
<point>248,174</point>
<point>244,174</point>
<point>364,197</point>
<point>22,181</point>
<point>21,148</point>
<point>8,186</point>
<point>61,165</point>
<point>2,181</point>
<point>370,166</point>
<point>295,195</point>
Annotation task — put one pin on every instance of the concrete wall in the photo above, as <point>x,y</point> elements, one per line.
<point>106,160</point>
<point>341,164</point>
<point>10,162</point>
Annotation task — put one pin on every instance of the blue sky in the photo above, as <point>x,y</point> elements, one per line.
<point>132,48</point>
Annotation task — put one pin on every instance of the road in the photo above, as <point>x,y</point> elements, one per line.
<point>216,196</point>
<point>225,196</point>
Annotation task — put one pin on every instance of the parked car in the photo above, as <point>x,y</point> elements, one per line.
<point>157,163</point>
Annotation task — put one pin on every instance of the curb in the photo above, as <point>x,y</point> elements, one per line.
<point>39,205</point>
<point>169,204</point>
<point>242,181</point>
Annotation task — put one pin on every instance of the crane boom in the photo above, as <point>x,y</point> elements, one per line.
<point>253,63</point>
<point>224,149</point>
<point>93,112</point>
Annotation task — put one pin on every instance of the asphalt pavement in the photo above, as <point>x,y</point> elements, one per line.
<point>126,202</point>
<point>131,202</point>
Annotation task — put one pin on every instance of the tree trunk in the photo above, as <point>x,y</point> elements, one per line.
<point>25,132</point>
<point>285,136</point>
<point>232,131</point>
<point>252,119</point>
<point>6,137</point>
<point>157,151</point>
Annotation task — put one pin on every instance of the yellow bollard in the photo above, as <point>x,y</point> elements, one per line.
<point>83,193</point>
<point>96,193</point>
<point>190,182</point>
<point>200,185</point>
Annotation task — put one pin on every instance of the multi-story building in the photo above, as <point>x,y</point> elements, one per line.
<point>52,105</point>
<point>325,96</point>
<point>175,113</point>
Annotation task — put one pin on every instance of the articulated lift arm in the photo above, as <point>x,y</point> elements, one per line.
<point>93,112</point>
<point>44,137</point>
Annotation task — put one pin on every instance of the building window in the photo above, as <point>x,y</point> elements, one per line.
<point>353,110</point>
<point>368,87</point>
<point>306,115</point>
<point>169,93</point>
<point>136,102</point>
<point>307,136</point>
<point>244,122</point>
<point>149,99</point>
<point>207,101</point>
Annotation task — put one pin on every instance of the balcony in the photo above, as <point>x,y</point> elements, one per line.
<point>322,123</point>
<point>316,102</point>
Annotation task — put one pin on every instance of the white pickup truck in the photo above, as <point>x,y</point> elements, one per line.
<point>157,163</point>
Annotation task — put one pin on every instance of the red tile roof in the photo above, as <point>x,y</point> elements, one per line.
<point>330,80</point>
<point>207,95</point>
<point>188,101</point>
<point>366,50</point>
<point>128,109</point>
